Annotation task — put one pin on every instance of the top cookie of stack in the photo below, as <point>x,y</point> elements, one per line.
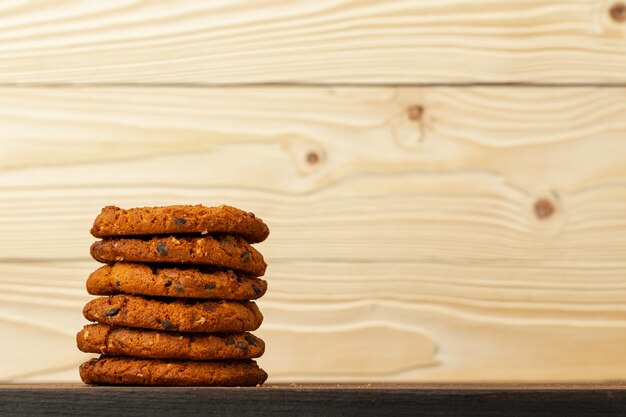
<point>199,254</point>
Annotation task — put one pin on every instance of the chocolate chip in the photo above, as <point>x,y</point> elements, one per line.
<point>179,288</point>
<point>230,341</point>
<point>232,275</point>
<point>251,339</point>
<point>241,346</point>
<point>112,312</point>
<point>180,221</point>
<point>227,239</point>
<point>168,325</point>
<point>257,289</point>
<point>245,256</point>
<point>209,286</point>
<point>168,283</point>
<point>209,307</point>
<point>118,284</point>
<point>161,249</point>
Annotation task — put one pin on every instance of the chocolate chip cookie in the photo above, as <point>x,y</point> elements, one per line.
<point>143,279</point>
<point>114,221</point>
<point>171,372</point>
<point>174,314</point>
<point>224,251</point>
<point>141,343</point>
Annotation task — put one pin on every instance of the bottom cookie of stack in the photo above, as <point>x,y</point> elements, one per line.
<point>171,372</point>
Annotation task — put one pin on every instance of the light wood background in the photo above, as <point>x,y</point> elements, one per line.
<point>445,182</point>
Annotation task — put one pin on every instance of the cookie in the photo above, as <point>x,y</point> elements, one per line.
<point>132,371</point>
<point>223,251</point>
<point>141,343</point>
<point>174,314</point>
<point>142,279</point>
<point>114,221</point>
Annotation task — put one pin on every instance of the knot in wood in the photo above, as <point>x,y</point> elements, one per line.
<point>544,208</point>
<point>618,12</point>
<point>415,112</point>
<point>312,157</point>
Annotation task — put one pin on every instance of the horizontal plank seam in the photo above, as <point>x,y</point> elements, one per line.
<point>306,84</point>
<point>495,261</point>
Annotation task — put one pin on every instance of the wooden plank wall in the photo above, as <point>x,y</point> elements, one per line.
<point>445,181</point>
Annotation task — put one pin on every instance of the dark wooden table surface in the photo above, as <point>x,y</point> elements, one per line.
<point>318,399</point>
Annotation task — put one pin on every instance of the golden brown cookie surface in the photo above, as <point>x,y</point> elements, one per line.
<point>114,221</point>
<point>142,279</point>
<point>142,343</point>
<point>133,371</point>
<point>226,251</point>
<point>174,314</point>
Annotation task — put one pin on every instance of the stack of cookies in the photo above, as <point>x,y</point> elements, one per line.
<point>176,290</point>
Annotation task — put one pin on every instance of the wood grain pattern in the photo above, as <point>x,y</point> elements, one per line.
<point>482,239</point>
<point>329,41</point>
